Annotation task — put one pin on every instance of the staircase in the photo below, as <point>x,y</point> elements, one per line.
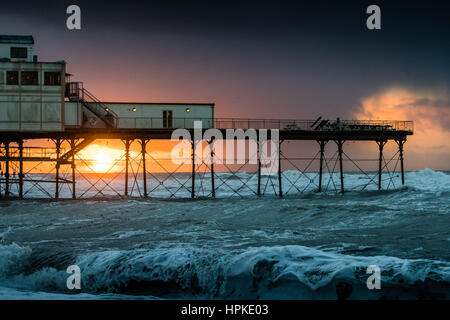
<point>64,159</point>
<point>76,92</point>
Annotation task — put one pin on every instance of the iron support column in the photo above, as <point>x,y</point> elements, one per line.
<point>280,187</point>
<point>72,147</point>
<point>1,176</point>
<point>213,187</point>
<point>341,169</point>
<point>127,161</point>
<point>7,169</point>
<point>381,144</point>
<point>57,166</point>
<point>21,169</point>
<point>144,168</point>
<point>400,149</point>
<point>322,150</point>
<point>259,166</point>
<point>193,169</point>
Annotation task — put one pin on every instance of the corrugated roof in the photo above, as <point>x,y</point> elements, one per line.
<point>16,39</point>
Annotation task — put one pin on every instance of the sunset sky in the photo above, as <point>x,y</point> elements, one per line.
<point>260,59</point>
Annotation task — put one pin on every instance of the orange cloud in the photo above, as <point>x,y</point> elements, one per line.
<point>430,112</point>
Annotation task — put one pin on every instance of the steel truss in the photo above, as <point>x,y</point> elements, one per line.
<point>144,174</point>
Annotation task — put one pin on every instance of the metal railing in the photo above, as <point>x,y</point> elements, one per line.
<point>315,125</point>
<point>280,124</point>
<point>31,152</point>
<point>76,92</point>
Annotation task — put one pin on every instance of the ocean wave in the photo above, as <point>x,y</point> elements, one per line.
<point>279,272</point>
<point>293,182</point>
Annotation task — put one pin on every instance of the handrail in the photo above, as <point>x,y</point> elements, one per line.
<point>76,92</point>
<point>103,106</point>
<point>281,124</point>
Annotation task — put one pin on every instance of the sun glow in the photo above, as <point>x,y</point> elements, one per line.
<point>102,162</point>
<point>100,159</point>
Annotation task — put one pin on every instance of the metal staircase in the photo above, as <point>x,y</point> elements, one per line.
<point>64,159</point>
<point>76,92</point>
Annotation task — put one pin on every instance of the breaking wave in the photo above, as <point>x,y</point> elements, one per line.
<point>279,272</point>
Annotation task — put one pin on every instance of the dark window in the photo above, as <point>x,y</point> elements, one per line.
<point>29,78</point>
<point>52,79</point>
<point>12,77</point>
<point>19,53</point>
<point>167,119</point>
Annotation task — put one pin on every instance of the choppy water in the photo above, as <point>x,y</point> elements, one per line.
<point>295,248</point>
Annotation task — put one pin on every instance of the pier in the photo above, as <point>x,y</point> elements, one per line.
<point>64,158</point>
<point>47,120</point>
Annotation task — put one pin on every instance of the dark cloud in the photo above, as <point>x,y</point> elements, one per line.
<point>305,58</point>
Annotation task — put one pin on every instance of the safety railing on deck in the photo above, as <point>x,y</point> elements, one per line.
<point>31,152</point>
<point>315,125</point>
<point>281,124</point>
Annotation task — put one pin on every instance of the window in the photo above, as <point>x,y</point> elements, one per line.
<point>29,78</point>
<point>52,78</point>
<point>12,78</point>
<point>19,53</point>
<point>167,119</point>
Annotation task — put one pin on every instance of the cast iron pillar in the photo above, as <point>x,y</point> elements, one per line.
<point>57,166</point>
<point>193,169</point>
<point>144,167</point>
<point>20,169</point>
<point>6,168</point>
<point>259,165</point>
<point>72,147</point>
<point>400,150</point>
<point>381,144</point>
<point>322,144</point>
<point>127,163</point>
<point>341,169</point>
<point>213,187</point>
<point>280,187</point>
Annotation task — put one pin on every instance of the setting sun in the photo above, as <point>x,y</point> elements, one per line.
<point>101,158</point>
<point>102,162</point>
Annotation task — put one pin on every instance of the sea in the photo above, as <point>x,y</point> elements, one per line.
<point>363,244</point>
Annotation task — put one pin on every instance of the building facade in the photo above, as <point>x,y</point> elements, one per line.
<point>37,96</point>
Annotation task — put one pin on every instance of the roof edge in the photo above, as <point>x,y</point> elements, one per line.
<point>161,103</point>
<point>16,39</point>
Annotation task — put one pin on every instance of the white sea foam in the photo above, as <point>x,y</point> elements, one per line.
<point>263,272</point>
<point>234,248</point>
